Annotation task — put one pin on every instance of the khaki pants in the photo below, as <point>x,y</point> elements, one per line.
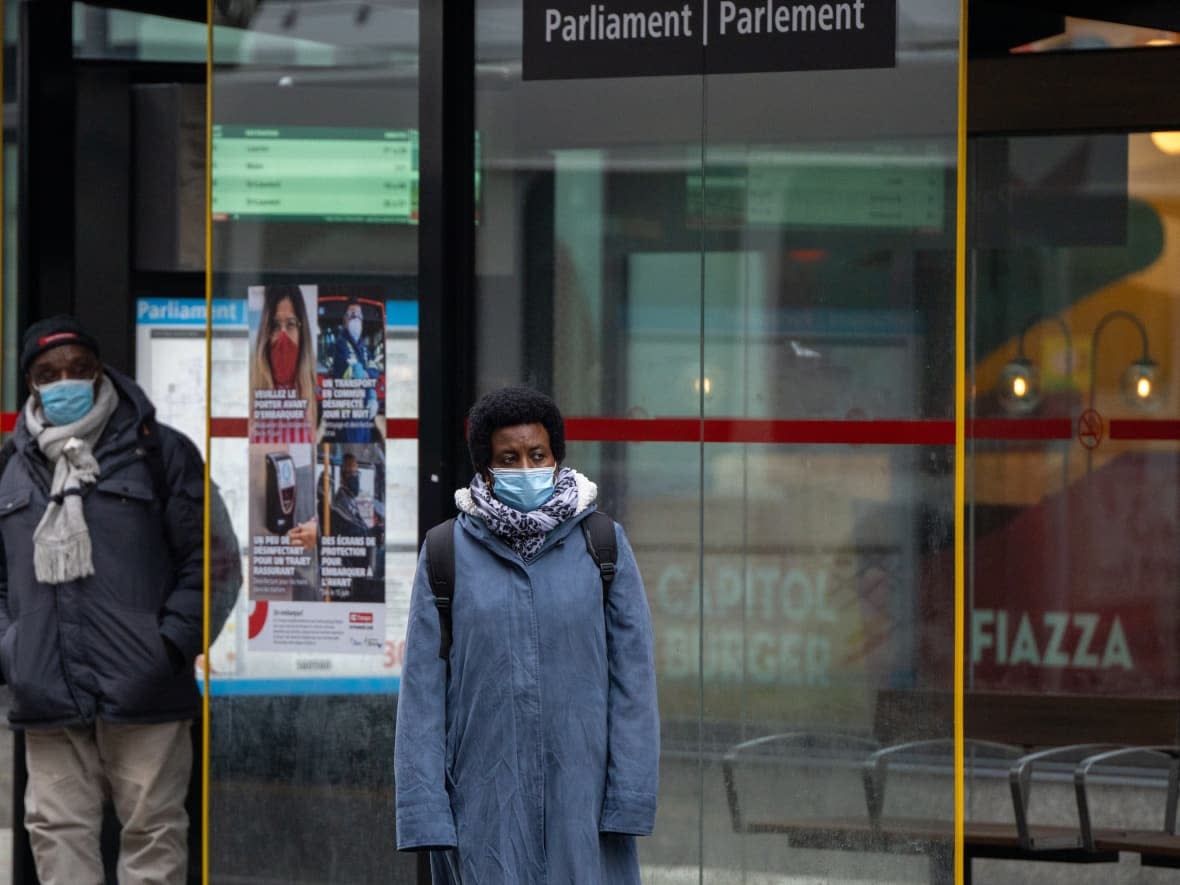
<point>144,769</point>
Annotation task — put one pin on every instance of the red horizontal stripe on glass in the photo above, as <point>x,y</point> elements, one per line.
<point>230,428</point>
<point>932,432</point>
<point>881,433</point>
<point>935,432</point>
<point>715,430</point>
<point>740,430</point>
<point>1144,428</point>
<point>401,428</point>
<point>633,429</point>
<point>1020,428</point>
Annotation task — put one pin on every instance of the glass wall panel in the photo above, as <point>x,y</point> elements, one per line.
<point>314,427</point>
<point>747,281</point>
<point>828,230</point>
<point>583,206</point>
<point>1073,566</point>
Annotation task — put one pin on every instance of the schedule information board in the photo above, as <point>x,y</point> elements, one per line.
<point>307,173</point>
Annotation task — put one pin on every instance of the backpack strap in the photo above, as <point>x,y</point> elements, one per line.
<point>440,565</point>
<point>599,530</point>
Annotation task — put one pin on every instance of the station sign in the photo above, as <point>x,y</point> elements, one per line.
<point>576,39</point>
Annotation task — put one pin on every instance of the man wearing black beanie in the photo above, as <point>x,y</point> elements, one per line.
<point>101,546</point>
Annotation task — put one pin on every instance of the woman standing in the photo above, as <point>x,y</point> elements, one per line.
<point>530,756</point>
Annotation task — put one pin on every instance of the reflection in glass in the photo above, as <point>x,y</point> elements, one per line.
<point>1073,561</point>
<point>678,256</point>
<point>314,191</point>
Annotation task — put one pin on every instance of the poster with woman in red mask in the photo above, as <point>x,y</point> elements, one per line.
<point>282,363</point>
<point>282,442</point>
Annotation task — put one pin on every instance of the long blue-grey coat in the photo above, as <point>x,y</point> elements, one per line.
<point>535,762</point>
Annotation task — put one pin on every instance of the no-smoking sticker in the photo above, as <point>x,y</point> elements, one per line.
<point>1090,429</point>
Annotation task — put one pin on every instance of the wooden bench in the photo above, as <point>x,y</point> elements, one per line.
<point>1012,735</point>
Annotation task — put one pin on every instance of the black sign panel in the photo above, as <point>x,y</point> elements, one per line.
<point>576,39</point>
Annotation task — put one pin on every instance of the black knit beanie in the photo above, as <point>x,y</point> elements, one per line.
<point>53,332</point>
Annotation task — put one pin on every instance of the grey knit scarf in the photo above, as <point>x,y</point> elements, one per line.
<point>61,541</point>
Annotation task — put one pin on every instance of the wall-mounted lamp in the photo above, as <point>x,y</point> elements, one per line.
<point>1020,384</point>
<point>1019,390</point>
<point>1139,380</point>
<point>1020,387</point>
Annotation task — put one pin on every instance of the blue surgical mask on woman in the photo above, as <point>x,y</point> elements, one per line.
<point>65,402</point>
<point>523,488</point>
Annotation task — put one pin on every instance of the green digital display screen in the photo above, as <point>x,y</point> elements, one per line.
<point>788,192</point>
<point>312,173</point>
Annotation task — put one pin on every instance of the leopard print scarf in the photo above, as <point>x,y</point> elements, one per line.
<point>526,532</point>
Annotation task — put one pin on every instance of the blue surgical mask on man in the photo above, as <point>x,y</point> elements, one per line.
<point>525,488</point>
<point>67,401</point>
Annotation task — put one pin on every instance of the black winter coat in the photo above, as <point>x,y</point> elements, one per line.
<point>94,648</point>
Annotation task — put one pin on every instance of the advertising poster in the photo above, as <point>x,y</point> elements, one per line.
<point>170,347</point>
<point>352,522</point>
<point>316,474</point>
<point>282,364</point>
<point>351,364</point>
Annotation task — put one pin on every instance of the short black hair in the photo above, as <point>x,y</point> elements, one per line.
<point>508,407</point>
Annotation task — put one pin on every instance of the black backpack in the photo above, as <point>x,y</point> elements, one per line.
<point>225,559</point>
<point>598,528</point>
